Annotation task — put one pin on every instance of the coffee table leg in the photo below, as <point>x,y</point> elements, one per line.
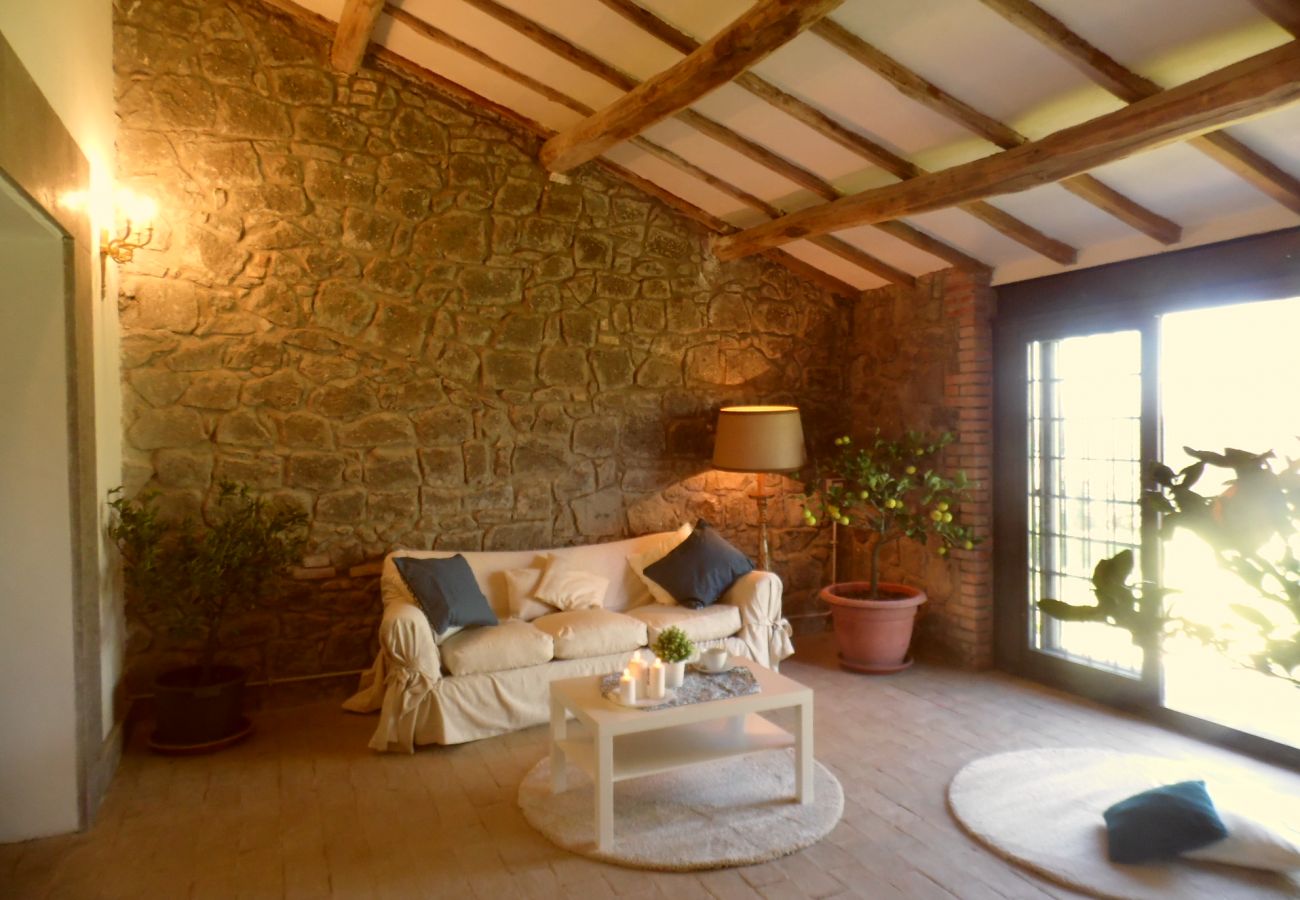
<point>559,730</point>
<point>604,791</point>
<point>803,755</point>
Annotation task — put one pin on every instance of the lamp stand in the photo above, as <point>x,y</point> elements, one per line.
<point>761,495</point>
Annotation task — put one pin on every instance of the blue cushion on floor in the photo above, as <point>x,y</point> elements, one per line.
<point>701,568</point>
<point>1162,823</point>
<point>446,591</point>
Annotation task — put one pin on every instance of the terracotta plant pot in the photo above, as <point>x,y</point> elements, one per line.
<point>873,635</point>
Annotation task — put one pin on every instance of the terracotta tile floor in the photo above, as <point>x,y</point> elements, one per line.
<point>305,810</point>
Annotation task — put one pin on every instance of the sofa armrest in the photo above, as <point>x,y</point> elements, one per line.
<point>402,678</point>
<point>765,633</point>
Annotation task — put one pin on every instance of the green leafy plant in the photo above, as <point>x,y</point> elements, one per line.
<point>1118,601</point>
<point>673,645</point>
<point>892,489</point>
<point>1253,529</point>
<point>187,576</point>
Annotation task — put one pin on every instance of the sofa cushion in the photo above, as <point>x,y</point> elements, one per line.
<point>446,591</point>
<point>700,569</point>
<point>582,633</point>
<point>566,586</point>
<point>520,585</point>
<point>711,623</point>
<point>510,645</point>
<point>661,547</point>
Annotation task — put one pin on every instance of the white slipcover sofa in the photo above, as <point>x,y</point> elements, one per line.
<point>492,679</point>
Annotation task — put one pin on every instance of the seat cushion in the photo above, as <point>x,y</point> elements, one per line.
<point>494,648</point>
<point>583,633</point>
<point>711,623</point>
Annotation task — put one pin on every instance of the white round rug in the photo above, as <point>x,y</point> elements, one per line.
<point>1042,808</point>
<point>732,812</point>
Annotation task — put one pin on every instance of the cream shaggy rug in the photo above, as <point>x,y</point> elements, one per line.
<point>732,812</point>
<point>1042,808</point>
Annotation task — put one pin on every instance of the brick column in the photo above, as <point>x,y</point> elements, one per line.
<point>923,360</point>
<point>968,390</point>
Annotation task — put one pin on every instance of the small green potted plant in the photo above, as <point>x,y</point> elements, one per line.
<point>1252,527</point>
<point>888,490</point>
<point>187,578</point>
<point>674,648</point>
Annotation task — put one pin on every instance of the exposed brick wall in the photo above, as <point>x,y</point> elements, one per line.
<point>923,361</point>
<point>366,298</point>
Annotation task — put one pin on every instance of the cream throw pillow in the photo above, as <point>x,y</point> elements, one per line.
<point>664,546</point>
<point>521,586</point>
<point>566,587</point>
<point>1263,830</point>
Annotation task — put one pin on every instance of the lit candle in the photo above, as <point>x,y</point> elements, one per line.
<point>627,688</point>
<point>657,690</point>
<point>636,667</point>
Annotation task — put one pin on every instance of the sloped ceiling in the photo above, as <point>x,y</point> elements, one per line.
<point>967,48</point>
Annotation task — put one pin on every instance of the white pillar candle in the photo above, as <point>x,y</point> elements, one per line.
<point>636,668</point>
<point>627,688</point>
<point>657,690</point>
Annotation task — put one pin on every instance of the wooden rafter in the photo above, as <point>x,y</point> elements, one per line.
<point>868,149</point>
<point>1284,12</point>
<point>1131,87</point>
<point>935,98</point>
<point>594,65</point>
<point>356,25</point>
<point>1243,90</point>
<point>768,25</point>
<point>840,248</point>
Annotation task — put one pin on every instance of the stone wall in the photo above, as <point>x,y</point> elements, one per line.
<point>365,297</point>
<point>923,361</point>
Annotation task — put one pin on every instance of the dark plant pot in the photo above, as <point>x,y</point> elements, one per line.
<point>873,635</point>
<point>195,716</point>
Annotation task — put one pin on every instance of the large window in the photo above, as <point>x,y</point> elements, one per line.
<point>1100,375</point>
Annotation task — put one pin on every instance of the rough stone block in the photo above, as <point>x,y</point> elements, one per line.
<point>158,428</point>
<point>378,430</point>
<point>315,471</point>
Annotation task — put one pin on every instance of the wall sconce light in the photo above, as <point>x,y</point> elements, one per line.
<point>137,213</point>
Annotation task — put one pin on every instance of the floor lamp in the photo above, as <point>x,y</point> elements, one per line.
<point>765,440</point>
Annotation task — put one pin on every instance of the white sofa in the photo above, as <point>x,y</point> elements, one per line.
<point>493,679</point>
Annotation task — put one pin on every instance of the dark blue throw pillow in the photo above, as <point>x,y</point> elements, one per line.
<point>446,591</point>
<point>700,569</point>
<point>1162,823</point>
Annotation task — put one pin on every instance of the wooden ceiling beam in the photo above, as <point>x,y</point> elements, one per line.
<point>859,257</point>
<point>356,25</point>
<point>767,26</point>
<point>936,99</point>
<point>846,251</point>
<point>1131,87</point>
<point>798,175</point>
<point>1284,12</point>
<point>868,149</point>
<point>1251,87</point>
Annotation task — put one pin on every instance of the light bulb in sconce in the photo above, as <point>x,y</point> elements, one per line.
<point>137,213</point>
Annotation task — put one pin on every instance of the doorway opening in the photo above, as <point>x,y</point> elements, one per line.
<point>41,776</point>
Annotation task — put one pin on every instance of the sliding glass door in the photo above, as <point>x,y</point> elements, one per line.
<point>1087,407</point>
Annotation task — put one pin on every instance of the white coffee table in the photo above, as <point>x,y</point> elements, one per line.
<point>613,743</point>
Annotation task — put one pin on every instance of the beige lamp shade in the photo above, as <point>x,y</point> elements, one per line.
<point>759,439</point>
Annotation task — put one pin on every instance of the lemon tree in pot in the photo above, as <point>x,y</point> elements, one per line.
<point>888,490</point>
<point>187,578</point>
